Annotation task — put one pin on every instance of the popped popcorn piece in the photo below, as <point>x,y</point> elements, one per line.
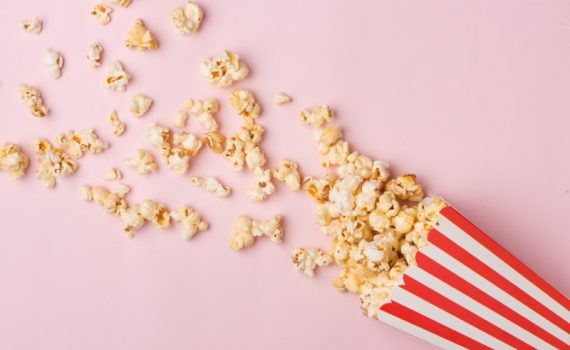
<point>122,3</point>
<point>13,160</point>
<point>282,98</point>
<point>32,98</point>
<point>143,162</point>
<point>270,228</point>
<point>212,185</point>
<point>112,174</point>
<point>318,116</point>
<point>245,105</point>
<point>53,60</point>
<point>118,126</point>
<point>132,220</point>
<point>53,163</point>
<point>188,142</point>
<point>254,157</point>
<point>140,104</point>
<point>246,231</point>
<point>187,19</point>
<point>78,143</point>
<point>140,37</point>
<point>288,172</point>
<point>215,141</point>
<point>117,78</point>
<point>158,136</point>
<point>86,192</point>
<point>307,260</point>
<point>32,25</point>
<point>224,70</point>
<point>111,202</point>
<point>263,185</point>
<point>204,111</point>
<point>102,13</point>
<point>121,189</point>
<point>191,221</point>
<point>180,119</point>
<point>95,55</point>
<point>406,188</point>
<point>155,212</point>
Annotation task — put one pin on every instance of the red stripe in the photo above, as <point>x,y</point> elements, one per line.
<point>486,241</point>
<point>438,300</point>
<point>415,318</point>
<point>443,274</point>
<point>467,259</point>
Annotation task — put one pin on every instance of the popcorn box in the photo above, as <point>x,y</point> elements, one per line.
<point>467,291</point>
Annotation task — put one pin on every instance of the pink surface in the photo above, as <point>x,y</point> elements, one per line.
<point>471,96</point>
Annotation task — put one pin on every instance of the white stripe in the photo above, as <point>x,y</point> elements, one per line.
<point>484,285</point>
<point>417,331</point>
<point>478,309</point>
<point>418,304</point>
<point>449,229</point>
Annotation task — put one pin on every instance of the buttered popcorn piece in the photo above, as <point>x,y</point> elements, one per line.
<point>143,162</point>
<point>224,70</point>
<point>263,185</point>
<point>187,19</point>
<point>95,55</point>
<point>180,119</point>
<point>270,228</point>
<point>102,13</point>
<point>288,172</point>
<point>245,105</point>
<point>13,160</point>
<point>32,25</point>
<point>155,212</point>
<point>80,142</point>
<point>318,116</point>
<point>53,162</point>
<point>140,104</point>
<point>53,61</point>
<point>122,3</point>
<point>214,141</point>
<point>204,111</point>
<point>191,221</point>
<point>307,260</point>
<point>406,188</point>
<point>212,185</point>
<point>118,126</point>
<point>140,37</point>
<point>246,231</point>
<point>117,78</point>
<point>32,98</point>
<point>112,174</point>
<point>282,98</point>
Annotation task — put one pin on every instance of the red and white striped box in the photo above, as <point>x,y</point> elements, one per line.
<point>469,292</point>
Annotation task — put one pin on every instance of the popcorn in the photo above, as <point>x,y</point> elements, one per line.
<point>32,98</point>
<point>270,228</point>
<point>215,141</point>
<point>102,13</point>
<point>32,25</point>
<point>288,172</point>
<point>190,143</point>
<point>224,70</point>
<point>254,158</point>
<point>307,260</point>
<point>204,110</point>
<point>117,78</point>
<point>244,103</point>
<point>94,55</point>
<point>118,126</point>
<point>86,192</point>
<point>84,141</point>
<point>246,231</point>
<point>282,98</point>
<point>122,3</point>
<point>336,154</point>
<point>140,104</point>
<point>263,185</point>
<point>53,163</point>
<point>13,160</point>
<point>429,208</point>
<point>318,116</point>
<point>406,188</point>
<point>158,136</point>
<point>187,19</point>
<point>212,185</point>
<point>112,174</point>
<point>180,119</point>
<point>132,220</point>
<point>140,37</point>
<point>121,189</point>
<point>191,221</point>
<point>155,212</point>
<point>111,202</point>
<point>143,162</point>
<point>53,60</point>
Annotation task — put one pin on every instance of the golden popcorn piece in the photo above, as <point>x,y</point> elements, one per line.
<point>121,189</point>
<point>132,220</point>
<point>86,192</point>
<point>188,142</point>
<point>122,3</point>
<point>118,126</point>
<point>32,25</point>
<point>406,188</point>
<point>224,70</point>
<point>212,185</point>
<point>204,111</point>
<point>95,55</point>
<point>246,231</point>
<point>191,221</point>
<point>53,61</point>
<point>307,260</point>
<point>187,19</point>
<point>317,116</point>
<point>13,160</point>
<point>112,174</point>
<point>102,13</point>
<point>32,98</point>
<point>140,104</point>
<point>117,78</point>
<point>155,212</point>
<point>242,148</point>
<point>143,162</point>
<point>52,164</point>
<point>180,119</point>
<point>282,98</point>
<point>288,172</point>
<point>140,37</point>
<point>263,185</point>
<point>78,143</point>
<point>215,141</point>
<point>243,101</point>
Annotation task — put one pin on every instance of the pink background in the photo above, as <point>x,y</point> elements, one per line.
<point>470,95</point>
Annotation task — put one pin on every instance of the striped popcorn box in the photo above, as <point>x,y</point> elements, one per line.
<point>467,291</point>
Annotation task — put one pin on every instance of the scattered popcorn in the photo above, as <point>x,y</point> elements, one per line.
<point>32,98</point>
<point>143,161</point>
<point>263,185</point>
<point>78,143</point>
<point>122,3</point>
<point>247,230</point>
<point>53,163</point>
<point>282,98</point>
<point>118,126</point>
<point>224,70</point>
<point>86,192</point>
<point>244,103</point>
<point>53,60</point>
<point>13,160</point>
<point>215,141</point>
<point>140,104</point>
<point>117,78</point>
<point>318,116</point>
<point>155,212</point>
<point>204,111</point>
<point>187,19</point>
<point>180,119</point>
<point>140,37</point>
<point>95,55</point>
<point>112,174</point>
<point>102,13</point>
<point>212,185</point>
<point>32,25</point>
<point>191,221</point>
<point>288,172</point>
<point>307,260</point>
